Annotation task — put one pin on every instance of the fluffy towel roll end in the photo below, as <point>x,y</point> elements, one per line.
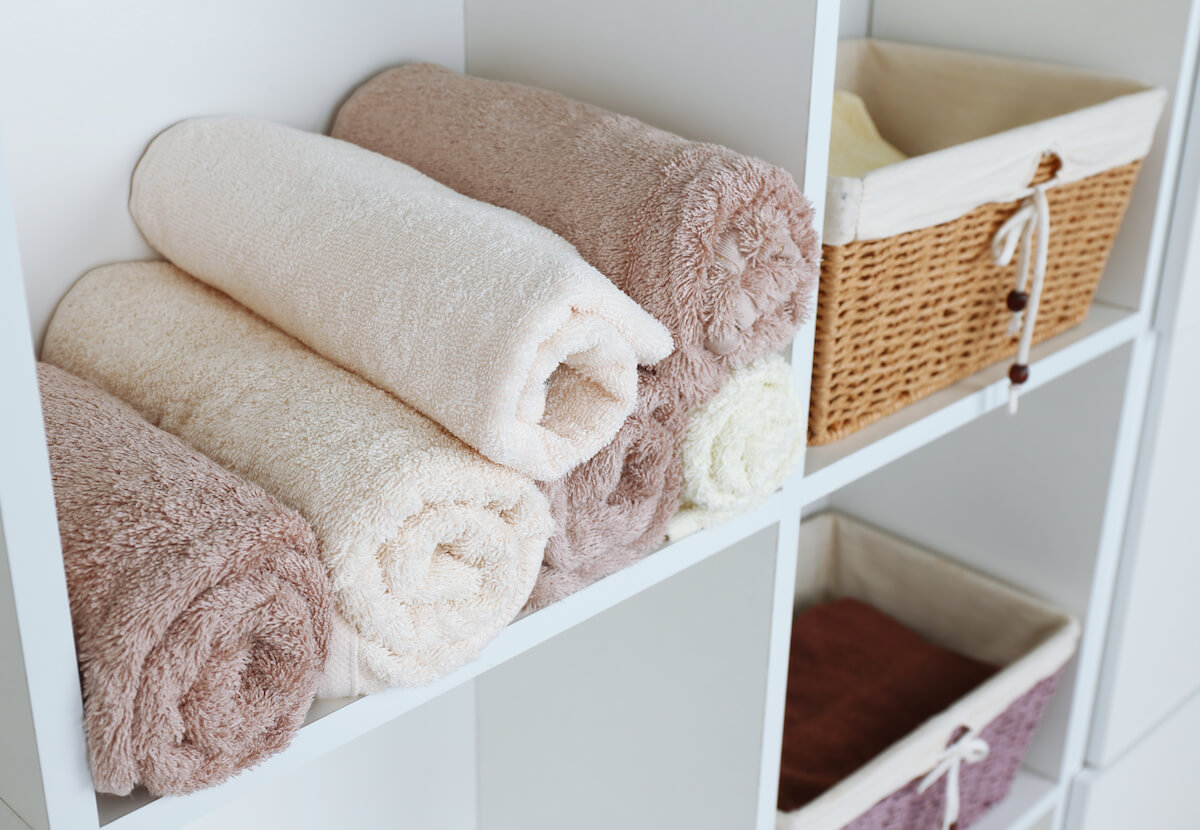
<point>613,510</point>
<point>201,612</point>
<point>741,445</point>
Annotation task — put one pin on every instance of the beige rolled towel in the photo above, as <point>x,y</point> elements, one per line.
<point>481,319</point>
<point>431,548</point>
<point>740,446</point>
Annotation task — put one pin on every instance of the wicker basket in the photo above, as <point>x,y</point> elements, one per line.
<point>910,299</point>
<point>957,609</point>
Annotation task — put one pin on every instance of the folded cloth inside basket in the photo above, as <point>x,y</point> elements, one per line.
<point>717,246</point>
<point>201,611</point>
<point>855,145</point>
<point>613,510</point>
<point>741,445</point>
<point>480,319</point>
<point>858,681</point>
<point>432,548</point>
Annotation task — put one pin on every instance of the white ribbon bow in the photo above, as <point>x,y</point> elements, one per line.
<point>969,749</point>
<point>1034,213</point>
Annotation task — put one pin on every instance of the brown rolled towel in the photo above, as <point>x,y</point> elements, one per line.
<point>858,681</point>
<point>201,611</point>
<point>613,510</point>
<point>718,247</point>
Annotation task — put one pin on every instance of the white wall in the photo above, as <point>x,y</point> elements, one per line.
<point>85,86</point>
<point>648,717</point>
<point>417,771</point>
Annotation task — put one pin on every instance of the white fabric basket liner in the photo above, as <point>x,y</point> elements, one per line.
<point>948,605</point>
<point>975,128</point>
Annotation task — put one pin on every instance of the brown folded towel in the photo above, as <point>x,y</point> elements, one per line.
<point>718,247</point>
<point>613,510</point>
<point>201,612</point>
<point>859,681</point>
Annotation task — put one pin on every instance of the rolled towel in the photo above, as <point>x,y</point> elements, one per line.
<point>741,445</point>
<point>200,609</point>
<point>614,509</point>
<point>717,246</point>
<point>855,145</point>
<point>858,682</point>
<point>432,549</point>
<point>487,323</point>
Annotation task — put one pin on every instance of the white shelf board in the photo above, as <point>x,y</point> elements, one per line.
<point>831,467</point>
<point>1032,797</point>
<point>333,723</point>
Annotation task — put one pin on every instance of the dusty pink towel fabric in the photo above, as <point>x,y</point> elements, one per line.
<point>718,247</point>
<point>613,510</point>
<point>201,612</point>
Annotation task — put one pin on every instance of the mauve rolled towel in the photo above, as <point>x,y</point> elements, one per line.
<point>200,608</point>
<point>858,681</point>
<point>718,247</point>
<point>614,509</point>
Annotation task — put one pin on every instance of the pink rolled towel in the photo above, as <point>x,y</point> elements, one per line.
<point>614,509</point>
<point>201,612</point>
<point>718,247</point>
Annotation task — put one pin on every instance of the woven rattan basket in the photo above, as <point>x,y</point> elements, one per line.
<point>910,298</point>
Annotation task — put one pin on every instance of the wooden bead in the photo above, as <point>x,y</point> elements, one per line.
<point>1018,373</point>
<point>1017,300</point>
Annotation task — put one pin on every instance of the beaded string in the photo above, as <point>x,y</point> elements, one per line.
<point>1033,217</point>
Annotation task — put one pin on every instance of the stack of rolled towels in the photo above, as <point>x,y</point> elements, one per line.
<point>366,419</point>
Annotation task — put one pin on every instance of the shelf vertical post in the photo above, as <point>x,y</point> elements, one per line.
<point>44,776</point>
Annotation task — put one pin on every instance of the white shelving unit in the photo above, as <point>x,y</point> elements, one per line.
<point>654,698</point>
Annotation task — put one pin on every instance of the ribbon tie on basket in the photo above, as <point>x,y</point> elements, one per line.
<point>1033,216</point>
<point>969,749</point>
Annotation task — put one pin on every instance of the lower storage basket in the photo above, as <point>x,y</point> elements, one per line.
<point>911,296</point>
<point>971,750</point>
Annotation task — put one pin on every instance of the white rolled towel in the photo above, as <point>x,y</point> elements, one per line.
<point>431,548</point>
<point>481,319</point>
<point>741,445</point>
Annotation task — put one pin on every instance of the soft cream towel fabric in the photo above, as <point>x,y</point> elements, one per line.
<point>741,445</point>
<point>486,322</point>
<point>855,145</point>
<point>431,548</point>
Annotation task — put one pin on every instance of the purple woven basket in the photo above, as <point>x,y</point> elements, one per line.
<point>982,785</point>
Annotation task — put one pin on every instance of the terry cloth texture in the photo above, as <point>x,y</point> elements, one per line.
<point>201,611</point>
<point>717,246</point>
<point>614,509</point>
<point>487,323</point>
<point>741,445</point>
<point>432,549</point>
<point>858,681</point>
<point>855,145</point>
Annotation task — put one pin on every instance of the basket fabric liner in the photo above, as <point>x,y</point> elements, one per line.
<point>951,607</point>
<point>974,133</point>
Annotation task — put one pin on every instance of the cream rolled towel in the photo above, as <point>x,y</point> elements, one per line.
<point>481,319</point>
<point>431,548</point>
<point>741,445</point>
<point>855,145</point>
